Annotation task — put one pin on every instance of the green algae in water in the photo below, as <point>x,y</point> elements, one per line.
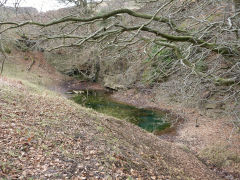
<point>150,120</point>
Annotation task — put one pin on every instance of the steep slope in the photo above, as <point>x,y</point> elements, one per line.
<point>45,136</point>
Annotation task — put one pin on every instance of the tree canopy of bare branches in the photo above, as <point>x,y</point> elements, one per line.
<point>192,31</point>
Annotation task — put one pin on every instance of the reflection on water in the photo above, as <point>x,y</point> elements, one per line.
<point>150,120</point>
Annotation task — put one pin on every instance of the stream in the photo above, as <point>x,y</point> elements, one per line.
<point>101,101</point>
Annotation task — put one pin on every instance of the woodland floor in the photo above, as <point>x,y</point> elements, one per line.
<point>215,141</point>
<point>43,135</point>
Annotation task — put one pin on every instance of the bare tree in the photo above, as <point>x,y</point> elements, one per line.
<point>3,2</point>
<point>169,38</point>
<point>237,5</point>
<point>191,31</point>
<point>2,48</point>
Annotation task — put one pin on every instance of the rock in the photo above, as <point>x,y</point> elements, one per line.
<point>206,95</point>
<point>219,105</point>
<point>211,106</point>
<point>71,72</point>
<point>78,92</point>
<point>69,92</point>
<point>112,82</point>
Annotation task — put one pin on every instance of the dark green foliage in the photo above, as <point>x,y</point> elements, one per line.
<point>7,50</point>
<point>201,66</point>
<point>25,43</point>
<point>157,65</point>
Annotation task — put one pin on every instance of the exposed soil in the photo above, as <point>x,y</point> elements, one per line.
<point>206,133</point>
<point>80,85</point>
<point>40,70</point>
<point>191,127</point>
<point>45,136</point>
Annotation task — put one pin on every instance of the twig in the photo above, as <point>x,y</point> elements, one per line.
<point>31,65</point>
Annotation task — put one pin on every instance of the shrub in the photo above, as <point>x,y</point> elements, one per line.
<point>201,66</point>
<point>157,65</point>
<point>7,50</point>
<point>219,156</point>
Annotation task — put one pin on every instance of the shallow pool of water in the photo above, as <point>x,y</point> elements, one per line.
<point>150,120</point>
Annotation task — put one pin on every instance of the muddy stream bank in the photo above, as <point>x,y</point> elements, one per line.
<point>93,95</point>
<point>182,129</point>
